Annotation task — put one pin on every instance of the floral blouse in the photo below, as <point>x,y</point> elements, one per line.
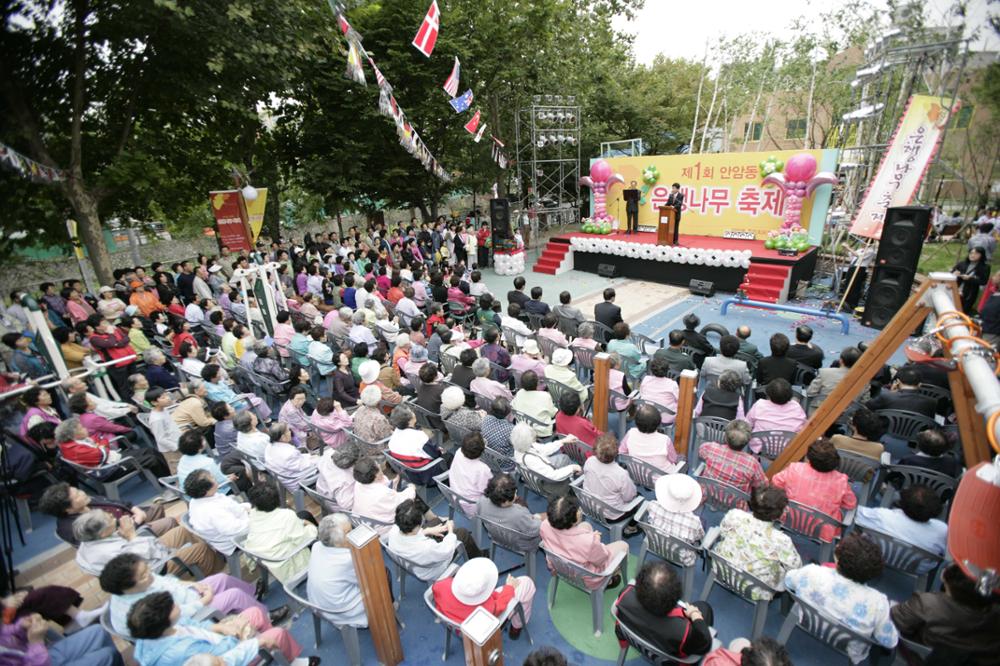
<point>758,548</point>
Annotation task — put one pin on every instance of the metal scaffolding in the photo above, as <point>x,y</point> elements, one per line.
<point>547,135</point>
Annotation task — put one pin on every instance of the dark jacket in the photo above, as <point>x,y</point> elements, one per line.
<point>774,367</point>
<point>429,397</point>
<point>519,297</point>
<point>677,359</point>
<point>937,620</point>
<point>532,306</point>
<point>969,289</point>
<point>673,634</point>
<point>117,509</point>
<point>906,399</point>
<point>698,341</point>
<point>716,402</point>
<point>946,464</point>
<point>607,313</point>
<point>806,354</point>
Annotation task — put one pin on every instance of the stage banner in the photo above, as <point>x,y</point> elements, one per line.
<point>723,195</point>
<point>234,232</point>
<point>910,152</point>
<point>255,211</point>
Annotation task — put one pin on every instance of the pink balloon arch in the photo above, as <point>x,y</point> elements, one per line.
<point>601,178</point>
<point>798,182</point>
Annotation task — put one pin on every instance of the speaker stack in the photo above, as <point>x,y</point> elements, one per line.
<point>500,218</point>
<point>903,234</point>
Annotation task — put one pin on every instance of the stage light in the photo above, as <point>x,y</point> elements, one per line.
<point>541,141</point>
<point>571,140</point>
<point>571,99</point>
<point>549,99</point>
<point>536,99</point>
<point>863,112</point>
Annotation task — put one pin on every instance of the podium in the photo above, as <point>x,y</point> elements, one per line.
<point>667,225</point>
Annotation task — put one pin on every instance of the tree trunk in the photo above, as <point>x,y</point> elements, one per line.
<point>272,213</point>
<point>425,214</point>
<point>89,230</point>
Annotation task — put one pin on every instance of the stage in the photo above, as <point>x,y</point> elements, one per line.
<point>722,261</point>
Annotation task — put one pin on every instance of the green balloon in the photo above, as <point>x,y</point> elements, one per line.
<point>769,244</point>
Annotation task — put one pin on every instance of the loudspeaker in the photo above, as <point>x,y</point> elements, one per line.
<point>607,270</point>
<point>702,287</point>
<point>903,234</point>
<point>500,218</point>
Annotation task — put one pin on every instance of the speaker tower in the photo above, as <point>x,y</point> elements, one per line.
<point>903,234</point>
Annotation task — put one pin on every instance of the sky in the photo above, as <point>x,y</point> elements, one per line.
<point>680,29</point>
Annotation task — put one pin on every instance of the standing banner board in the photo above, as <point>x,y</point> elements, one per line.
<point>910,153</point>
<point>231,220</point>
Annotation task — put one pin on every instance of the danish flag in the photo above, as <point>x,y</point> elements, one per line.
<point>428,33</point>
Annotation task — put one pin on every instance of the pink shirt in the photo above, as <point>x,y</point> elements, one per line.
<point>579,427</point>
<point>555,335</point>
<point>584,343</point>
<point>654,448</point>
<point>616,379</point>
<point>468,478</point>
<point>79,311</point>
<point>608,482</point>
<point>829,492</point>
<point>335,482</point>
<point>379,501</point>
<point>335,420</point>
<point>283,336</point>
<point>490,388</point>
<point>661,390</point>
<point>522,363</point>
<point>98,426</point>
<point>765,415</point>
<point>579,544</point>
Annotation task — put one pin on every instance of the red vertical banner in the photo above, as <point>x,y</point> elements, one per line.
<point>230,220</point>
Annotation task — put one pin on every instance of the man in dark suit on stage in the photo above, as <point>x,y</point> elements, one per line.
<point>676,199</point>
<point>631,196</point>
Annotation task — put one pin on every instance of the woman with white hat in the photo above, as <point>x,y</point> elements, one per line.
<point>558,370</point>
<point>677,498</point>
<point>475,585</point>
<point>369,372</point>
<point>455,413</point>
<point>110,306</point>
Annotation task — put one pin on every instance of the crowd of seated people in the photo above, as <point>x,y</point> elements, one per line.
<point>374,387</point>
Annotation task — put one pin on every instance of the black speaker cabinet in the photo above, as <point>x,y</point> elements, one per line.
<point>702,287</point>
<point>500,218</point>
<point>903,235</point>
<point>607,270</point>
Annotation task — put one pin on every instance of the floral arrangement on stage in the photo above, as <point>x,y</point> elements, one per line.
<point>678,255</point>
<point>793,238</point>
<point>600,227</point>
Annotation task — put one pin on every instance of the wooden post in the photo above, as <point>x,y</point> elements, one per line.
<point>602,365</point>
<point>482,639</point>
<point>907,318</point>
<point>366,552</point>
<point>685,408</point>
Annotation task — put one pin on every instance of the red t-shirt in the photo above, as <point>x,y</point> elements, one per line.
<point>456,611</point>
<point>577,425</point>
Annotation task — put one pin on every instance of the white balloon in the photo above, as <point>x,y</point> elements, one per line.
<point>745,263</point>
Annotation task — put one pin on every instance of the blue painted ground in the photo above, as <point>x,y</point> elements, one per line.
<point>423,640</point>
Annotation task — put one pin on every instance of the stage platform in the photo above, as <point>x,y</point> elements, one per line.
<point>772,275</point>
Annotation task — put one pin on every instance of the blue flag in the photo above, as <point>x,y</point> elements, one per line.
<point>463,102</point>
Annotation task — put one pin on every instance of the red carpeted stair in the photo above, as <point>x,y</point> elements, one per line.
<point>767,282</point>
<point>553,257</point>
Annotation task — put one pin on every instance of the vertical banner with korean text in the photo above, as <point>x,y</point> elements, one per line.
<point>723,195</point>
<point>255,211</point>
<point>233,227</point>
<point>910,152</point>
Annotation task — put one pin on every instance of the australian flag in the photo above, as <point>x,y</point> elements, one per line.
<point>462,102</point>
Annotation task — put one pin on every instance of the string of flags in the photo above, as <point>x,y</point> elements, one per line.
<point>387,104</point>
<point>27,167</point>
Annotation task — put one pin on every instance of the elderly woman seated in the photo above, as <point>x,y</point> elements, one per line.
<point>370,372</point>
<point>818,484</point>
<point>571,421</point>
<point>475,585</point>
<point>678,496</point>
<point>645,442</point>
<point>374,496</point>
<point>429,544</point>
<point>411,446</point>
<point>500,505</point>
<point>545,458</point>
<point>631,354</point>
<point>249,440</point>
<point>777,412</point>
<point>77,446</point>
<point>370,423</point>
<point>193,411</point>
<point>842,593</point>
<point>535,403</point>
<point>293,415</point>
<point>530,358</point>
<point>220,391</point>
<point>128,578</point>
<point>332,420</point>
<point>753,543</point>
<point>101,537</point>
<point>266,365</point>
<point>566,534</point>
<point>336,474</point>
<point>729,462</point>
<point>217,517</point>
<point>290,465</point>
<point>454,412</point>
<point>559,370</point>
<point>604,478</point>
<point>585,337</point>
<point>332,582</point>
<point>156,372</point>
<point>484,386</point>
<point>657,387</point>
<point>193,448</point>
<point>164,639</point>
<point>468,474</point>
<point>276,532</point>
<point>723,398</point>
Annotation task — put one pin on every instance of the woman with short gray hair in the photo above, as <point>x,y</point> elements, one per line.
<point>336,475</point>
<point>411,446</point>
<point>266,365</point>
<point>102,538</point>
<point>723,399</point>
<point>543,458</point>
<point>332,582</point>
<point>370,424</point>
<point>482,385</point>
<point>584,337</point>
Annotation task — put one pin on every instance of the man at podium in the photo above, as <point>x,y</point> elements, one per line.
<point>631,196</point>
<point>676,199</point>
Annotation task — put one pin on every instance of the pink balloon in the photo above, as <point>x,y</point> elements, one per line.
<point>600,171</point>
<point>799,167</point>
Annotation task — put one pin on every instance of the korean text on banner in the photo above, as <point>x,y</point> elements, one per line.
<point>910,153</point>
<point>234,232</point>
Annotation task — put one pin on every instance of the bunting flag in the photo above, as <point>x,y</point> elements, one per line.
<point>479,134</point>
<point>473,123</point>
<point>355,71</point>
<point>428,33</point>
<point>379,79</point>
<point>345,27</point>
<point>451,85</point>
<point>462,103</point>
<point>27,167</point>
<point>497,141</point>
<point>498,155</point>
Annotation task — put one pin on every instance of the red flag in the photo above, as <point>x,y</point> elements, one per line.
<point>428,33</point>
<point>473,124</point>
<point>344,25</point>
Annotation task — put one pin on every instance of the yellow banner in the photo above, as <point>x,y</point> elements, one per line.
<point>723,194</point>
<point>255,211</point>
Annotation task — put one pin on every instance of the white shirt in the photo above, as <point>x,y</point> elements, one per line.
<point>109,409</point>
<point>430,557</point>
<point>518,326</point>
<point>218,520</point>
<point>165,430</point>
<point>253,443</point>
<point>335,482</point>
<point>333,583</point>
<point>289,464</point>
<point>408,308</point>
<point>314,283</point>
<point>194,314</point>
<point>93,555</point>
<point>409,442</point>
